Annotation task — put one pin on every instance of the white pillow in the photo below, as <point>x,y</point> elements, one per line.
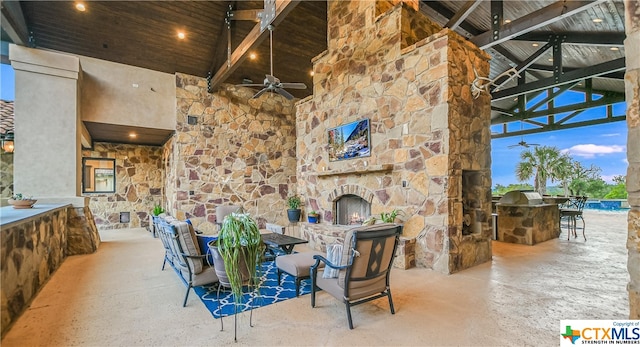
<point>334,255</point>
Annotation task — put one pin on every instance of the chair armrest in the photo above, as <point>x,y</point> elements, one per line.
<point>202,257</point>
<point>326,261</point>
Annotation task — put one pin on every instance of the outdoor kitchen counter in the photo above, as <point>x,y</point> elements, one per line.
<point>10,216</point>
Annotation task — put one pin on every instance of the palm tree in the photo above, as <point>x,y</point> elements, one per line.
<point>542,163</point>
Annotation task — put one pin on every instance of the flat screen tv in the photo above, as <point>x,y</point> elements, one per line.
<point>350,141</point>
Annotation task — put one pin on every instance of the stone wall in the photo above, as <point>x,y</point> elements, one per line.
<point>528,225</point>
<point>425,129</point>
<point>241,151</point>
<point>32,250</point>
<point>139,185</point>
<point>632,94</point>
<point>6,177</point>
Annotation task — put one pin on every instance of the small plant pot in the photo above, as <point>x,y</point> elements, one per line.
<point>293,215</point>
<point>312,219</point>
<point>20,204</point>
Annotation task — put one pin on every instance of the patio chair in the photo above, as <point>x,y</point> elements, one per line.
<point>364,269</point>
<point>224,210</point>
<point>186,258</point>
<point>572,211</point>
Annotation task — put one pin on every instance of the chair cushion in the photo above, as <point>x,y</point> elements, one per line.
<point>297,264</point>
<point>207,276</point>
<point>189,244</point>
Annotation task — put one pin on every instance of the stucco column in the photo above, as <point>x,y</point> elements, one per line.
<point>632,90</point>
<point>47,159</point>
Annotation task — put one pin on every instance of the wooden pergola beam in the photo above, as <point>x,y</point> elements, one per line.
<point>533,21</point>
<point>462,14</point>
<point>255,37</point>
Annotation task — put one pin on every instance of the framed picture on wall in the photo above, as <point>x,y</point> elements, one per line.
<point>350,141</point>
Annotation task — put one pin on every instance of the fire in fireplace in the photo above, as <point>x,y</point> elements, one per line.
<point>351,210</point>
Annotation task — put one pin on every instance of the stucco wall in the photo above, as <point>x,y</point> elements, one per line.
<point>120,94</point>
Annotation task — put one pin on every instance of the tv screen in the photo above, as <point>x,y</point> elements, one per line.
<point>349,141</point>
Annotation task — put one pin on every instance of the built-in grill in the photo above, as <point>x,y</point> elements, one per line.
<point>519,197</point>
<point>524,218</point>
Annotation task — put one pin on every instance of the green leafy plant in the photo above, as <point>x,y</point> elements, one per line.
<point>390,217</point>
<point>241,247</point>
<point>20,196</point>
<point>157,210</point>
<point>313,213</point>
<point>293,202</point>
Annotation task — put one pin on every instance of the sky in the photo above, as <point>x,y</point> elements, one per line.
<point>604,145</point>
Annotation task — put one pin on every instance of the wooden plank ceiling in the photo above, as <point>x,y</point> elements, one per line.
<point>144,34</point>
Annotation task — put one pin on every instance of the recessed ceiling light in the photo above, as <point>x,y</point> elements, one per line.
<point>133,135</point>
<point>252,56</point>
<point>614,48</point>
<point>597,20</point>
<point>311,73</point>
<point>507,21</point>
<point>550,59</point>
<point>181,35</point>
<point>80,7</point>
<point>535,44</point>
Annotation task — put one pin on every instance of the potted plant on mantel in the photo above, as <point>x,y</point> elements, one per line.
<point>20,201</point>
<point>312,217</point>
<point>293,213</point>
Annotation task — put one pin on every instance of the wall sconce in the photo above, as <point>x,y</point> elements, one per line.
<point>7,143</point>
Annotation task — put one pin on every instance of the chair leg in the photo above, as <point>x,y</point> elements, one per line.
<point>393,311</point>
<point>279,274</point>
<point>186,296</point>
<point>583,228</point>
<point>313,296</point>
<point>298,286</point>
<point>349,314</point>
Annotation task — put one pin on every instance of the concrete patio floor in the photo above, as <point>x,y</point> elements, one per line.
<point>120,297</point>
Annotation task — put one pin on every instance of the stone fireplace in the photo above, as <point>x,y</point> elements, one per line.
<point>430,139</point>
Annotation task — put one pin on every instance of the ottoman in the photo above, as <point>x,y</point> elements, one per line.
<point>296,265</point>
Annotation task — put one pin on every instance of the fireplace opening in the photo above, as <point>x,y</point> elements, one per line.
<point>351,210</point>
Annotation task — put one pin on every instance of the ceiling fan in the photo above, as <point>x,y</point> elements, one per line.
<point>524,144</point>
<point>272,83</point>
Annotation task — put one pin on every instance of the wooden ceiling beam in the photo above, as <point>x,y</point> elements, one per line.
<point>13,23</point>
<point>540,18</point>
<point>462,14</point>
<point>251,41</point>
<point>576,38</point>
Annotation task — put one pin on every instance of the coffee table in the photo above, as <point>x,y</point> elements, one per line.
<point>284,242</point>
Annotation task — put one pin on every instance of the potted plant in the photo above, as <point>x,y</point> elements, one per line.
<point>390,217</point>
<point>312,216</point>
<point>240,247</point>
<point>157,210</point>
<point>20,201</point>
<point>293,213</point>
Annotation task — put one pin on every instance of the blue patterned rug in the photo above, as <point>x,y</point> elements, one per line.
<point>270,293</point>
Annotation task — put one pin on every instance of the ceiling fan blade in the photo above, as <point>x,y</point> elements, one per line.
<point>260,93</point>
<point>293,85</point>
<point>284,93</point>
<point>250,85</point>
